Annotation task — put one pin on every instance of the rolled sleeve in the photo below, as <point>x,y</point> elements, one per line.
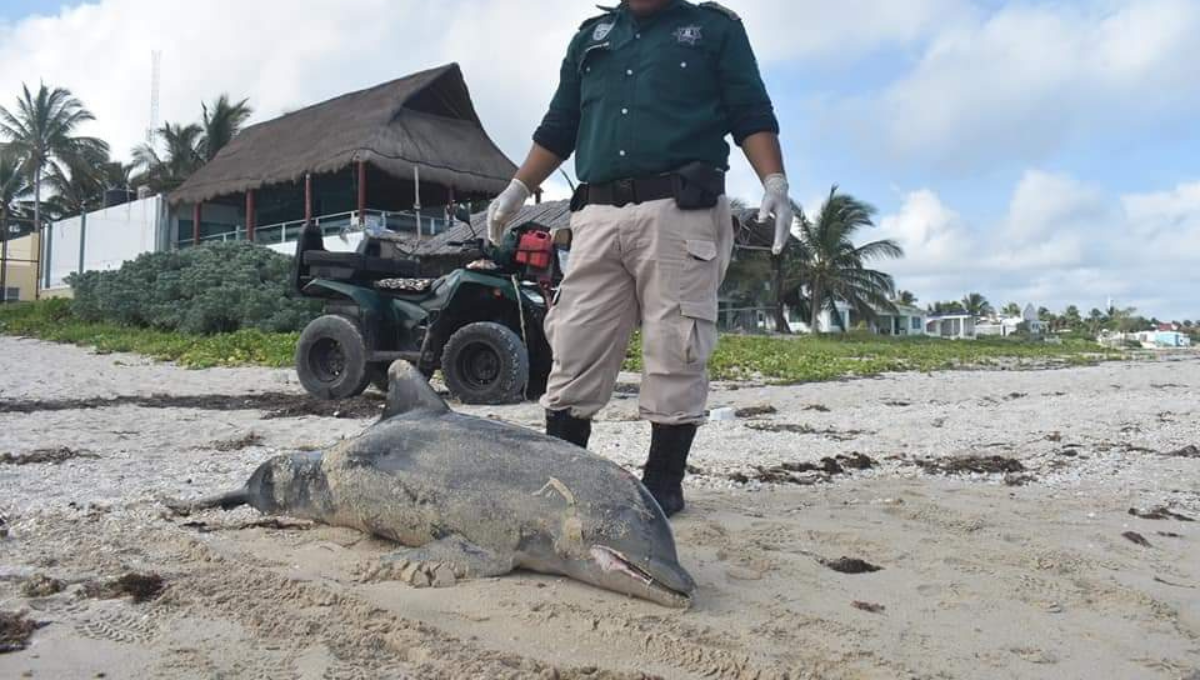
<point>747,105</point>
<point>559,131</point>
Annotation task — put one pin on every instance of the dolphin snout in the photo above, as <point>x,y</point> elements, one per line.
<point>671,575</point>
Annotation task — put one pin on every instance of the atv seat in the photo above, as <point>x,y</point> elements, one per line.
<point>356,266</point>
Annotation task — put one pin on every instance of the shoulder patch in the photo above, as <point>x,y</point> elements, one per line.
<point>608,11</point>
<point>718,7</point>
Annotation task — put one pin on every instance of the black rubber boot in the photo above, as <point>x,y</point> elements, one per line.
<point>667,465</point>
<point>564,426</point>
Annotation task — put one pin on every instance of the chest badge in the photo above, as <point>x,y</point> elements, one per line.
<point>602,31</point>
<point>689,35</point>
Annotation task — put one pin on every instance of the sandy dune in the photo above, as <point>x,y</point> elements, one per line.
<point>979,578</point>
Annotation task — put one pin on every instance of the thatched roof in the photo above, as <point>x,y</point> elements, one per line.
<point>425,119</point>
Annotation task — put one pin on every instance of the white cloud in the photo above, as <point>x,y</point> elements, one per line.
<point>1026,80</point>
<point>1062,242</point>
<point>819,30</point>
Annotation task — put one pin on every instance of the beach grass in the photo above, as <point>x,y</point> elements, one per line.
<point>780,360</point>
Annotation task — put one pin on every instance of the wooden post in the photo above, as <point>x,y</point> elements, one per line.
<point>196,223</point>
<point>362,192</point>
<point>82,236</point>
<point>251,219</point>
<point>308,198</point>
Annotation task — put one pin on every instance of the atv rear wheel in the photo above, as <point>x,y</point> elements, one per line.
<point>486,363</point>
<point>331,359</point>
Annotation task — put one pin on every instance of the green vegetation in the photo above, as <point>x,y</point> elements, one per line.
<point>53,320</point>
<point>779,359</point>
<point>827,357</point>
<point>220,288</point>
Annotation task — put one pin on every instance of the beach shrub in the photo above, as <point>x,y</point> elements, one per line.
<point>220,288</point>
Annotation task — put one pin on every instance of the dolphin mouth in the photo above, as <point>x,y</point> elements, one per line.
<point>656,589</point>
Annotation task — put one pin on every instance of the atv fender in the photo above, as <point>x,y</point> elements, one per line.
<point>381,317</point>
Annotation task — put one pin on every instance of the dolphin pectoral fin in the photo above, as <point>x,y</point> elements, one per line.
<point>408,390</point>
<point>440,564</point>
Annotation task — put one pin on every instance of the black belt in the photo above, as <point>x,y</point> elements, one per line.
<point>624,192</point>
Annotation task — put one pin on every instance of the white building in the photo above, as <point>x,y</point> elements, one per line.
<point>1011,325</point>
<point>905,321</point>
<point>951,326</point>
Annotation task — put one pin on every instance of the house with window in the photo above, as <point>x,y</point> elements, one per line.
<point>18,264</point>
<point>1011,325</point>
<point>397,156</point>
<point>389,157</point>
<point>955,326</point>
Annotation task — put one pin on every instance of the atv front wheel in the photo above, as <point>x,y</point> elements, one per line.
<point>331,359</point>
<point>486,363</point>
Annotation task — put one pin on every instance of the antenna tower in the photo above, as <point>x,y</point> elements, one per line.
<point>155,80</point>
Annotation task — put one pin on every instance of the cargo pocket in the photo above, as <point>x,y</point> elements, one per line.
<point>699,340</point>
<point>698,280</point>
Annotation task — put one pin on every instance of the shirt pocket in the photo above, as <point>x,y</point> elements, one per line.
<point>682,74</point>
<point>594,67</point>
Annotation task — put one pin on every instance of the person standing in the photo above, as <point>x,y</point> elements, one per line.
<point>648,92</point>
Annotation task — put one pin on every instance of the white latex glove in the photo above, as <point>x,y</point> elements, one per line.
<point>504,208</point>
<point>778,205</point>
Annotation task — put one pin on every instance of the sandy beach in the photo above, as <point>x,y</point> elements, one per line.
<point>1025,523</point>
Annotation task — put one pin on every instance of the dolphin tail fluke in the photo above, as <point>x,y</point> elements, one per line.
<point>224,501</point>
<point>408,391</point>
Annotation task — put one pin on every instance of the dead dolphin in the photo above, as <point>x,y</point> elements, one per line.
<point>471,497</point>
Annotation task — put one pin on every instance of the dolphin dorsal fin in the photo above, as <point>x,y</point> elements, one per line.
<point>408,390</point>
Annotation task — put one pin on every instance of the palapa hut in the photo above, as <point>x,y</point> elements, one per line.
<point>394,154</point>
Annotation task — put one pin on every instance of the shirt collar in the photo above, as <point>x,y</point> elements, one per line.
<point>623,10</point>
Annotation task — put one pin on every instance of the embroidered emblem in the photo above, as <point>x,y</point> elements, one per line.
<point>688,35</point>
<point>602,31</point>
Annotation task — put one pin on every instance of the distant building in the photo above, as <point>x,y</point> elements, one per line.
<point>1011,325</point>
<point>18,262</point>
<point>955,326</point>
<point>394,156</point>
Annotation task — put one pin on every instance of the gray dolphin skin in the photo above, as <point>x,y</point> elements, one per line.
<point>471,497</point>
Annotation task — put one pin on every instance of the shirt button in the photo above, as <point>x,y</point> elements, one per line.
<point>624,112</point>
<point>629,72</point>
<point>638,36</point>
<point>683,64</point>
<point>622,152</point>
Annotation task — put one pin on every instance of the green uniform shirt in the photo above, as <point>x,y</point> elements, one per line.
<point>643,97</point>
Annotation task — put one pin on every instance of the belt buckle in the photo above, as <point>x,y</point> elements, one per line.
<point>624,193</point>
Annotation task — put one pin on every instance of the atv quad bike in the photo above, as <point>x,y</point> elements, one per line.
<point>481,325</point>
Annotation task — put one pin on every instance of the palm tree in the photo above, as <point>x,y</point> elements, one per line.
<point>906,297</point>
<point>834,269</point>
<point>221,124</point>
<point>181,157</point>
<point>14,185</point>
<point>1072,317</point>
<point>41,131</point>
<point>977,305</point>
<point>1012,309</point>
<point>950,307</point>
<point>78,183</point>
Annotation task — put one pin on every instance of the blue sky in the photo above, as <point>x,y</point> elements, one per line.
<point>17,9</point>
<point>1034,151</point>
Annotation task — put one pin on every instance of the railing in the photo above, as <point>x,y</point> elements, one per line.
<point>331,225</point>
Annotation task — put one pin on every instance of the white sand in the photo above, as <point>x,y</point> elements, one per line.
<point>980,579</point>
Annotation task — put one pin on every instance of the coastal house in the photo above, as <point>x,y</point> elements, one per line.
<point>397,156</point>
<point>1011,325</point>
<point>18,264</point>
<point>954,326</point>
<point>393,156</point>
